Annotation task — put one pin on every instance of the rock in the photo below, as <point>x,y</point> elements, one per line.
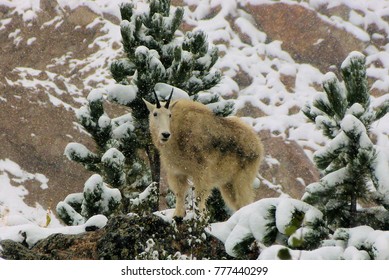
<point>286,168</point>
<point>242,78</point>
<point>123,238</point>
<point>15,251</point>
<point>70,247</point>
<point>126,236</point>
<point>341,11</point>
<point>82,16</point>
<point>305,36</point>
<point>289,82</point>
<point>248,110</point>
<point>55,247</point>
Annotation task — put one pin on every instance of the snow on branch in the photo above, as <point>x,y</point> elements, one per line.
<point>122,94</point>
<point>79,153</point>
<point>266,220</point>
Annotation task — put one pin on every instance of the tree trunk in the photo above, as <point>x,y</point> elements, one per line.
<point>353,210</point>
<point>155,166</point>
<point>141,117</point>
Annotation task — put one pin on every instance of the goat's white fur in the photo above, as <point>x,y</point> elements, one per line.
<point>211,151</point>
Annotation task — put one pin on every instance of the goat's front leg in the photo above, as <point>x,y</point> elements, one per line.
<point>202,192</point>
<point>178,183</point>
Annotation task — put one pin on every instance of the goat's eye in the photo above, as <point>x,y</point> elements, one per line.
<point>155,114</point>
<point>170,115</point>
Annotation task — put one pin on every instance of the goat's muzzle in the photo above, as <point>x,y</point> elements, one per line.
<point>165,136</point>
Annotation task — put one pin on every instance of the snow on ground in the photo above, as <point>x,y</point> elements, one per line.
<point>24,223</point>
<point>13,209</point>
<point>94,69</point>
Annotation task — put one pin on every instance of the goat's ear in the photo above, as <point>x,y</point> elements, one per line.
<point>150,106</point>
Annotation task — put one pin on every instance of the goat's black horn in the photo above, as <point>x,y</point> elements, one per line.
<point>156,100</point>
<point>168,100</point>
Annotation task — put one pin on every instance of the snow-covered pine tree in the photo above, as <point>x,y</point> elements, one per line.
<point>156,52</point>
<point>114,159</point>
<point>354,170</point>
<point>96,199</point>
<point>115,162</point>
<point>108,160</point>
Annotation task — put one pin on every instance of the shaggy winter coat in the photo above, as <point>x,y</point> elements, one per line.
<point>209,150</point>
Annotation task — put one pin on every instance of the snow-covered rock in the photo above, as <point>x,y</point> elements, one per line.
<point>31,233</point>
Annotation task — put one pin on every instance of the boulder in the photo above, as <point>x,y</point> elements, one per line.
<point>81,16</point>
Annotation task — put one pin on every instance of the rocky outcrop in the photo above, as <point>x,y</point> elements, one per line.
<point>123,238</point>
<point>55,247</point>
<point>304,34</point>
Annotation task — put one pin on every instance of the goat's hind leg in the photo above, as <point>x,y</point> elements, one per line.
<point>244,189</point>
<point>238,193</point>
<point>179,185</point>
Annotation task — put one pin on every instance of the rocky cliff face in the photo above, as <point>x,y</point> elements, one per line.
<point>52,56</point>
<point>45,74</point>
<point>305,35</point>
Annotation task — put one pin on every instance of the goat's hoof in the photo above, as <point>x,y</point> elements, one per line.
<point>178,220</point>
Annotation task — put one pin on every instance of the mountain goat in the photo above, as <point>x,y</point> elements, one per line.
<point>209,150</point>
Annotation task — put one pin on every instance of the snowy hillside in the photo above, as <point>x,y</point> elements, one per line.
<point>273,55</point>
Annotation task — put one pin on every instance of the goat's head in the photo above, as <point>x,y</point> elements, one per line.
<point>160,116</point>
